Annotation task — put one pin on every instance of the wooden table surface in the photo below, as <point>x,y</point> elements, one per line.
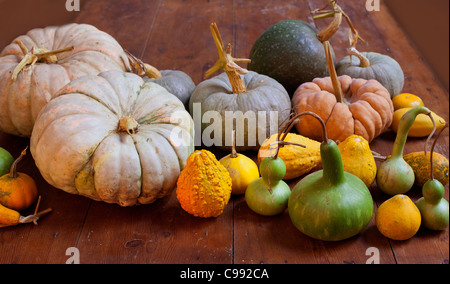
<point>175,34</point>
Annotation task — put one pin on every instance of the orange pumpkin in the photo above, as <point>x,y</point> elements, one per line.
<point>17,190</point>
<point>365,108</point>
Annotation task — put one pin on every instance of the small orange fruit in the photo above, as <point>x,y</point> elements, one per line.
<point>398,218</point>
<point>406,100</point>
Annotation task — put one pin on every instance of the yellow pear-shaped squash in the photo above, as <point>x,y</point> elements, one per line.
<point>358,158</point>
<point>422,126</point>
<point>242,170</point>
<point>298,160</point>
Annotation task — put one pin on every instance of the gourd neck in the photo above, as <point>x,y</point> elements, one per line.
<point>333,169</point>
<point>405,124</point>
<point>227,63</point>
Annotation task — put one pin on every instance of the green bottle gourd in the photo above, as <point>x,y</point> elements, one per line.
<point>433,207</point>
<point>330,204</point>
<point>269,194</point>
<point>395,175</point>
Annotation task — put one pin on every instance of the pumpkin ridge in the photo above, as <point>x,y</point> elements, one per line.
<point>65,62</point>
<point>60,94</point>
<point>91,155</point>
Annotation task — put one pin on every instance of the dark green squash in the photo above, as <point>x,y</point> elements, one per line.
<point>290,53</point>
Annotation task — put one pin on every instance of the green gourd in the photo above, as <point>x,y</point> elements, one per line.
<point>6,160</point>
<point>395,175</point>
<point>330,204</point>
<point>269,194</point>
<point>433,207</point>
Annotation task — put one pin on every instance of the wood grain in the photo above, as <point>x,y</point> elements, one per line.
<point>175,34</point>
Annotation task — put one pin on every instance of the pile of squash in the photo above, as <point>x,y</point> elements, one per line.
<point>106,125</point>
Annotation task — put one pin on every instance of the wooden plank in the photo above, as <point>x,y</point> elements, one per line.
<point>48,241</point>
<point>181,38</point>
<point>158,233</point>
<point>274,239</point>
<point>162,232</point>
<point>173,34</point>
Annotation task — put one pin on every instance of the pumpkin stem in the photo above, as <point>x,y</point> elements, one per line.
<point>337,13</point>
<point>36,55</point>
<point>363,61</point>
<point>227,63</point>
<point>128,124</point>
<point>234,154</point>
<point>285,130</point>
<point>333,75</point>
<point>140,68</point>
<point>13,170</point>
<point>432,150</point>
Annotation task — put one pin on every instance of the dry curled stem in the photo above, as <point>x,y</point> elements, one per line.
<point>35,55</point>
<point>142,69</point>
<point>227,63</point>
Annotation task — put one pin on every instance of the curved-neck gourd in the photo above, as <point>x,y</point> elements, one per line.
<point>330,204</point>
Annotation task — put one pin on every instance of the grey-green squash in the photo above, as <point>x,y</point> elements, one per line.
<point>252,104</point>
<point>177,83</point>
<point>258,111</point>
<point>373,65</point>
<point>289,52</point>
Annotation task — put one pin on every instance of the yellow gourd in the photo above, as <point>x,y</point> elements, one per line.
<point>241,168</point>
<point>204,185</point>
<point>298,160</point>
<point>421,127</point>
<point>398,218</point>
<point>420,163</point>
<point>358,158</point>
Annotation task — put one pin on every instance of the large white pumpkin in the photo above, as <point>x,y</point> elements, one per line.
<point>113,137</point>
<point>22,98</point>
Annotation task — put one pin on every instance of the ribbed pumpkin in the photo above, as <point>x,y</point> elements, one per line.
<point>366,108</point>
<point>373,65</point>
<point>25,90</point>
<point>252,104</point>
<point>113,137</point>
<point>204,186</point>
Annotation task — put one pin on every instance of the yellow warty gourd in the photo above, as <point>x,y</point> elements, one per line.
<point>298,160</point>
<point>204,185</point>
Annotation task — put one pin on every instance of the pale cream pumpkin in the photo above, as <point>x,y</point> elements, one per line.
<point>113,137</point>
<point>25,90</point>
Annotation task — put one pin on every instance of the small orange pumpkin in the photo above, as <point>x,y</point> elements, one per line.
<point>348,105</point>
<point>17,190</point>
<point>365,109</point>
